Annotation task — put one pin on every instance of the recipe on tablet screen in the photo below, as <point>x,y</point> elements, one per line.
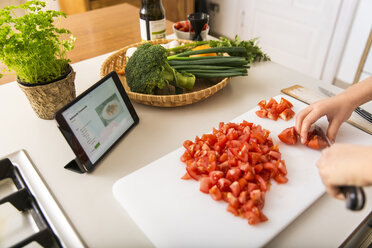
<point>98,119</point>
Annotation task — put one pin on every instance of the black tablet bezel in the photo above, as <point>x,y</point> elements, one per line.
<point>82,158</point>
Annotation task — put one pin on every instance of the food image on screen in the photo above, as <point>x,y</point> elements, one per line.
<point>109,109</point>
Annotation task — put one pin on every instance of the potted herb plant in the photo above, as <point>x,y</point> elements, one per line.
<point>35,49</point>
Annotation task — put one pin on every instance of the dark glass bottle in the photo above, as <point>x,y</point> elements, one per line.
<point>152,20</point>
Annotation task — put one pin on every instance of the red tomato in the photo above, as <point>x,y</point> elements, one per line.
<point>223,184</point>
<point>233,174</point>
<point>286,102</point>
<point>272,102</point>
<point>317,143</point>
<point>279,178</point>
<point>289,136</point>
<point>215,193</point>
<point>178,25</point>
<point>235,163</point>
<point>215,176</point>
<point>273,110</point>
<point>186,176</point>
<point>235,188</point>
<point>205,184</point>
<point>287,114</point>
<point>262,104</point>
<point>273,114</point>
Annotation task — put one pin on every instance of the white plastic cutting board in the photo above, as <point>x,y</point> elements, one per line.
<point>174,213</point>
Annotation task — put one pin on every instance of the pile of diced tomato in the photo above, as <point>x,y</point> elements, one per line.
<point>235,164</point>
<point>274,110</point>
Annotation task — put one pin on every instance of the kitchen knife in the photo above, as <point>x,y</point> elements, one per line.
<point>354,196</point>
<point>363,113</point>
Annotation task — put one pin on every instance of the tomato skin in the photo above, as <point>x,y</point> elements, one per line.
<point>205,184</point>
<point>178,25</point>
<point>235,188</point>
<point>272,102</point>
<point>273,114</point>
<point>233,174</point>
<point>223,184</point>
<point>285,101</point>
<point>215,193</point>
<point>289,136</point>
<point>186,176</point>
<point>215,176</point>
<point>261,113</point>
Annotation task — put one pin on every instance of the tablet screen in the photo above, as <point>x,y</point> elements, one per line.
<point>98,119</point>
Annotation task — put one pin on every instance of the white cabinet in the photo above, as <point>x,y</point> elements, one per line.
<point>299,34</point>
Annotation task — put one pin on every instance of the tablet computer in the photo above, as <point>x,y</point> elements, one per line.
<point>95,121</point>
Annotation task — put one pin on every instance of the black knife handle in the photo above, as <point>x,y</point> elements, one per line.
<point>355,197</point>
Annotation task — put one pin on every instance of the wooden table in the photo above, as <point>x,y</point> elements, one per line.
<point>97,34</point>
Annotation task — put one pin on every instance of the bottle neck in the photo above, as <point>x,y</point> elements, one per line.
<point>152,10</point>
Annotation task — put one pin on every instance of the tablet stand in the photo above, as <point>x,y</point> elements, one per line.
<point>73,166</point>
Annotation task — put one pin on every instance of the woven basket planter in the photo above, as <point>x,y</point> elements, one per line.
<point>202,89</point>
<point>47,98</point>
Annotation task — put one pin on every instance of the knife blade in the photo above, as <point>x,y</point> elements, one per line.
<point>363,113</point>
<point>354,196</point>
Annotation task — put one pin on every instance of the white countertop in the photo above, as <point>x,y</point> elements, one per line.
<point>87,199</point>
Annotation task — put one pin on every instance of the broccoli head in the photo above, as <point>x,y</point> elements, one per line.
<point>148,70</point>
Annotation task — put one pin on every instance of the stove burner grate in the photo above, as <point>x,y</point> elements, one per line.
<point>23,200</point>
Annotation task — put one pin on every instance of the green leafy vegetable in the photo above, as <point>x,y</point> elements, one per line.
<point>252,52</point>
<point>31,45</point>
<point>148,70</point>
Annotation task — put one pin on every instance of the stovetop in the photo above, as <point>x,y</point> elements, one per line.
<point>29,215</point>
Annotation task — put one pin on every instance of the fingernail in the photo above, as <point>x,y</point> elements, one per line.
<point>302,140</point>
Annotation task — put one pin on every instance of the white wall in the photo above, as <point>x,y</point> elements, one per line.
<point>355,45</point>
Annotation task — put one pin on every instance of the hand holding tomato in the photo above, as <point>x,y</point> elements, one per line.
<point>335,108</point>
<point>343,165</point>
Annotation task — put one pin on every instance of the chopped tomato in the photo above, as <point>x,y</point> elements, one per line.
<point>205,184</point>
<point>289,136</point>
<point>215,193</point>
<point>272,102</point>
<point>286,102</point>
<point>235,188</point>
<point>273,114</point>
<point>186,176</point>
<point>317,143</point>
<point>235,163</point>
<point>261,113</point>
<point>215,176</point>
<point>287,114</point>
<point>262,104</point>
<point>272,109</point>
<point>223,184</point>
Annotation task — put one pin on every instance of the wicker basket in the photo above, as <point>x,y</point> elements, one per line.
<point>202,89</point>
<point>46,99</point>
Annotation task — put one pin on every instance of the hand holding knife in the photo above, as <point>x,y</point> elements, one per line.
<point>354,196</point>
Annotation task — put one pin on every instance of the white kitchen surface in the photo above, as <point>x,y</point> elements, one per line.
<point>173,212</point>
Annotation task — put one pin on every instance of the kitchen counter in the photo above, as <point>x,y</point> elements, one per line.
<point>87,199</point>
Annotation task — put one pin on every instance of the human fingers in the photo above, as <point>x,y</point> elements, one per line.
<point>333,128</point>
<point>309,119</point>
<point>300,117</point>
<point>335,192</point>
